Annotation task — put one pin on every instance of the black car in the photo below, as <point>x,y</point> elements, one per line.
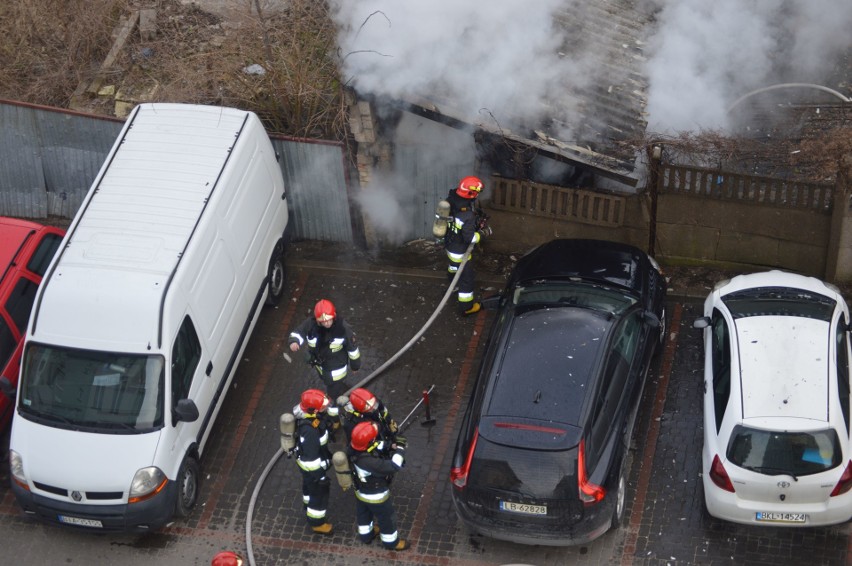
<point>540,457</point>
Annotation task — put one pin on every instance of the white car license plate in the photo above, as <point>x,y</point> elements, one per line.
<point>80,522</point>
<point>523,508</point>
<point>781,517</point>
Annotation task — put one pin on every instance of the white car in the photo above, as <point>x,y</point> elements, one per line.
<point>777,401</point>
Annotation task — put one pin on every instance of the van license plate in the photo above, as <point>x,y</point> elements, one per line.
<point>81,522</point>
<point>781,517</point>
<point>523,508</point>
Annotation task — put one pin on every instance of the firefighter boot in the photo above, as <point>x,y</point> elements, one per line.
<point>373,534</point>
<point>401,544</point>
<point>324,529</point>
<point>475,307</point>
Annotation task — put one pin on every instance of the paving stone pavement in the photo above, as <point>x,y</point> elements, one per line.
<point>387,298</point>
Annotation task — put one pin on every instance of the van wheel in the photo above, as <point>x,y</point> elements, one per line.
<point>618,511</point>
<point>276,275</point>
<point>187,479</point>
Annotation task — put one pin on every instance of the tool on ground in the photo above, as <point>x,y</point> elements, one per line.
<point>428,421</point>
<point>404,422</point>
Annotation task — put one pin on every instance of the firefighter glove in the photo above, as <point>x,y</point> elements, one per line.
<point>485,231</point>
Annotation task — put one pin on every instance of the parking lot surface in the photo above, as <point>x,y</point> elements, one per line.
<point>665,521</point>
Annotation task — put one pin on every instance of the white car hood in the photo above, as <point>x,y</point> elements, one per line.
<point>81,461</point>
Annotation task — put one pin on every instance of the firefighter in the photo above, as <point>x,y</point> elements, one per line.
<point>331,347</point>
<point>364,406</point>
<point>466,225</point>
<point>373,470</point>
<point>314,458</point>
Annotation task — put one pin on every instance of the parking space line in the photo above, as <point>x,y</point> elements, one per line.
<point>440,470</point>
<point>248,415</point>
<point>650,443</point>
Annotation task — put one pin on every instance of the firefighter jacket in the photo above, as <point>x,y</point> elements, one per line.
<point>380,415</point>
<point>313,456</point>
<point>373,472</point>
<point>462,226</point>
<point>331,350</point>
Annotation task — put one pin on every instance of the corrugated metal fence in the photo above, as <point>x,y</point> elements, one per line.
<point>50,158</point>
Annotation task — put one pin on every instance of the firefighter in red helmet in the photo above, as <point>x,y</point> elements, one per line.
<point>373,469</point>
<point>227,558</point>
<point>314,457</point>
<point>466,225</point>
<point>363,406</point>
<point>330,347</point>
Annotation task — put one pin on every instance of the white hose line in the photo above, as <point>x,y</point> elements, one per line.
<point>361,383</point>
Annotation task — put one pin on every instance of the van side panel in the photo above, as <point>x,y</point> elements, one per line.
<point>180,224</point>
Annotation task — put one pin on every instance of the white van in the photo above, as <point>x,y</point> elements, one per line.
<point>142,317</point>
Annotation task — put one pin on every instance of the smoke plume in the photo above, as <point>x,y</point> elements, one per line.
<point>706,55</point>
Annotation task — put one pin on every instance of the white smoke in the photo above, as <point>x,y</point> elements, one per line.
<point>494,62</point>
<point>706,55</point>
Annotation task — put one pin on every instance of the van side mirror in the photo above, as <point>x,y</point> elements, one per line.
<point>702,322</point>
<point>186,411</point>
<point>7,388</point>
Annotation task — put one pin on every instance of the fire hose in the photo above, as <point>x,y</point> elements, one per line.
<point>361,383</point>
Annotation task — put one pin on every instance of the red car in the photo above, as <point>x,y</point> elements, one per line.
<point>26,249</point>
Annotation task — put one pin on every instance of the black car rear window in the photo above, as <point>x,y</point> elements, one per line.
<point>532,473</point>
<point>548,359</point>
<point>779,301</point>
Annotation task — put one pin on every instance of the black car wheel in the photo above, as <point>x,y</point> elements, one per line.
<point>276,275</point>
<point>618,511</point>
<point>187,479</point>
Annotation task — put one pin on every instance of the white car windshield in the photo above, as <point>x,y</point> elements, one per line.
<point>91,390</point>
<point>780,301</point>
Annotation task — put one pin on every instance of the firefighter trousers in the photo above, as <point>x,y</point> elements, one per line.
<point>315,492</point>
<point>465,283</point>
<point>383,514</point>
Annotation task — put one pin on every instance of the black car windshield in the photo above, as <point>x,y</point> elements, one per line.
<point>779,301</point>
<point>788,453</point>
<point>574,293</point>
<point>92,390</point>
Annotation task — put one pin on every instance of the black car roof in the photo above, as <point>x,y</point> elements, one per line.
<point>549,355</point>
<point>597,260</point>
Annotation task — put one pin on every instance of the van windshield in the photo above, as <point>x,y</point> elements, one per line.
<point>90,390</point>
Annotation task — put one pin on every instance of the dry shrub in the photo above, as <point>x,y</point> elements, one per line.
<point>49,46</point>
<point>198,58</point>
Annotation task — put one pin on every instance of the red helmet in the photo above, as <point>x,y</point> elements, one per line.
<point>470,187</point>
<point>363,435</point>
<point>313,401</point>
<point>324,310</point>
<point>227,558</point>
<point>362,400</point>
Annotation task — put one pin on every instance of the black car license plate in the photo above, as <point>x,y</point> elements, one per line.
<point>523,508</point>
